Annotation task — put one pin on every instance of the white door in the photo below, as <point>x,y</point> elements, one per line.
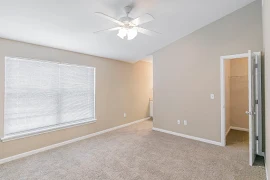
<point>251,111</point>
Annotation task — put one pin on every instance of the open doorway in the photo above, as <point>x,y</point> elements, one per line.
<point>236,97</point>
<point>241,110</point>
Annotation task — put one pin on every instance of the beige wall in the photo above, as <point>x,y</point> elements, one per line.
<point>239,93</point>
<point>266,38</point>
<point>187,71</point>
<point>227,67</point>
<point>120,87</point>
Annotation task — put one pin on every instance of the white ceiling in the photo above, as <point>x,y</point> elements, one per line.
<point>69,24</point>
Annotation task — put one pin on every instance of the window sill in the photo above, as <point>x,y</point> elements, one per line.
<point>45,130</point>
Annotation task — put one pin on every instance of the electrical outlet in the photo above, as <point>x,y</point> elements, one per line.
<point>178,122</point>
<point>125,115</point>
<point>185,122</point>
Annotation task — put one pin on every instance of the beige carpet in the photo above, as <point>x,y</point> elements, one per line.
<point>133,153</point>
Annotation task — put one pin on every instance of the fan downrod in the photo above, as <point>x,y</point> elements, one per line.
<point>128,9</point>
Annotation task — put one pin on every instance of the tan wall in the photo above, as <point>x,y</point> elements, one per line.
<point>227,67</point>
<point>187,71</point>
<point>266,38</point>
<point>239,92</point>
<point>120,87</point>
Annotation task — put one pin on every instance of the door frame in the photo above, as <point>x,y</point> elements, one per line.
<point>223,101</point>
<point>258,107</point>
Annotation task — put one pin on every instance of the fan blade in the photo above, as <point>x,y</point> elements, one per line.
<point>142,20</point>
<point>148,32</point>
<point>109,18</point>
<point>111,29</point>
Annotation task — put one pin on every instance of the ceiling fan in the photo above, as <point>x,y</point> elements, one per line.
<point>128,27</point>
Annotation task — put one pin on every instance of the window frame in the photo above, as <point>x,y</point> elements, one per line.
<point>51,128</point>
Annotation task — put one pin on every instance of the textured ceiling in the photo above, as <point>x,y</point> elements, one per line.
<point>69,24</point>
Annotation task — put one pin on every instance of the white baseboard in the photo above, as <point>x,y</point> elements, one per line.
<point>228,131</point>
<point>236,128</point>
<point>239,128</point>
<point>188,136</point>
<point>29,153</point>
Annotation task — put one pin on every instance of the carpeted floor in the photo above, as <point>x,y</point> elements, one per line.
<point>136,152</point>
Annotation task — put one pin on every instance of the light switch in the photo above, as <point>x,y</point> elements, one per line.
<point>212,96</point>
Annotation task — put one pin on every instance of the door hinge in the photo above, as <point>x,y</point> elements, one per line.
<point>256,66</point>
<point>257,137</point>
<point>256,101</point>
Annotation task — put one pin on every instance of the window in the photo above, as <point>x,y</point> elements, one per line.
<point>41,95</point>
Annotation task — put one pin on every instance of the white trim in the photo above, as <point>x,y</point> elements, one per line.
<point>187,136</point>
<point>235,56</point>
<point>44,130</point>
<point>222,93</point>
<point>251,90</point>
<point>29,153</point>
<point>222,96</point>
<point>47,61</point>
<point>239,128</point>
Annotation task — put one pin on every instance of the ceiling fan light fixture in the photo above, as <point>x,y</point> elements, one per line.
<point>128,28</point>
<point>132,33</point>
<point>122,33</point>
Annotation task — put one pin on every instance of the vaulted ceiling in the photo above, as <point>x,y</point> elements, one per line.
<point>69,24</point>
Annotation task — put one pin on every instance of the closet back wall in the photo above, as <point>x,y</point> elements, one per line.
<point>239,92</point>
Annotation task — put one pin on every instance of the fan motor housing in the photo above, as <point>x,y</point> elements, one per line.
<point>126,19</point>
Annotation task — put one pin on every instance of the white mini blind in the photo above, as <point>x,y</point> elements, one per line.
<point>41,94</point>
